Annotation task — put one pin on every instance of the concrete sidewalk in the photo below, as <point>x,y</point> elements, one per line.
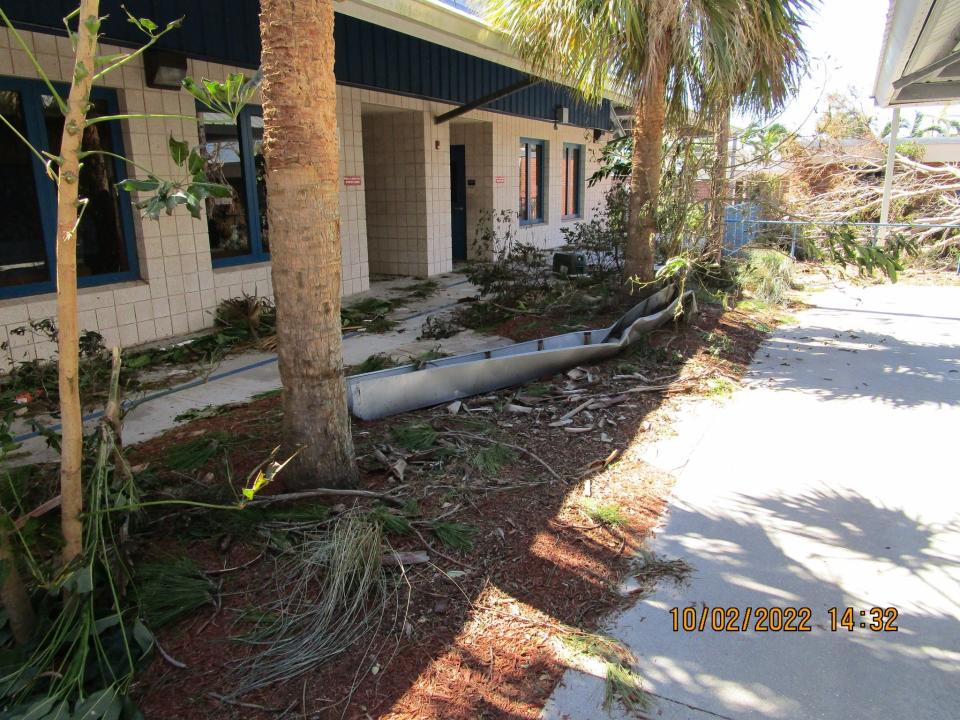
<point>241,377</point>
<point>830,481</point>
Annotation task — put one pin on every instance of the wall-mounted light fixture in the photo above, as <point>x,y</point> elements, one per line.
<point>561,115</point>
<point>597,134</point>
<point>165,70</point>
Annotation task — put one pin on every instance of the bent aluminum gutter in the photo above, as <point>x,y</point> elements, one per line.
<point>396,390</point>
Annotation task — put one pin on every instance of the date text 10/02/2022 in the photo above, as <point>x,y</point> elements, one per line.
<point>777,619</point>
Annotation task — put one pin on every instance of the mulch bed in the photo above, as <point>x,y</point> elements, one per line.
<point>479,638</point>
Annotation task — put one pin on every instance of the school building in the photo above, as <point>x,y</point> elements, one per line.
<point>438,121</point>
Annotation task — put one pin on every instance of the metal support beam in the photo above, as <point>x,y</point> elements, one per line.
<point>487,99</point>
<point>888,176</point>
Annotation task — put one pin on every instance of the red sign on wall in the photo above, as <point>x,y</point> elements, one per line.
<point>501,179</point>
<point>351,179</point>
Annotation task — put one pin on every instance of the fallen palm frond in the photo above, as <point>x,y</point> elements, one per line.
<point>414,436</point>
<point>391,523</point>
<point>624,685</point>
<point>334,592</point>
<point>194,454</point>
<point>656,568</point>
<point>454,535</point>
<point>621,682</point>
<point>377,361</point>
<point>169,590</point>
<point>604,647</point>
<point>490,459</point>
<point>84,656</point>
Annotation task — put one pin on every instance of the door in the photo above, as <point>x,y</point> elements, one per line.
<point>458,201</point>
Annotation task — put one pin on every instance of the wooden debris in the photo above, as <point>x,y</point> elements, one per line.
<point>604,403</point>
<point>396,467</point>
<point>576,410</point>
<point>518,409</point>
<point>454,407</point>
<point>398,557</point>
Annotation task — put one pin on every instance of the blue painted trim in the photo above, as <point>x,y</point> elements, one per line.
<point>248,259</point>
<point>252,204</point>
<point>31,92</point>
<point>541,171</point>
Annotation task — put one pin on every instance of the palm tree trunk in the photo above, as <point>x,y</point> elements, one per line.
<point>645,173</point>
<point>68,339</point>
<point>302,156</point>
<point>719,188</point>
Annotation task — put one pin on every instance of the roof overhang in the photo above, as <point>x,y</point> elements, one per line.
<point>443,24</point>
<point>920,57</point>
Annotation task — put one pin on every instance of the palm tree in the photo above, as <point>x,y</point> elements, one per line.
<point>670,57</point>
<point>303,214</point>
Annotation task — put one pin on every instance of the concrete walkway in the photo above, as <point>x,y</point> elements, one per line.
<point>830,481</point>
<point>241,377</point>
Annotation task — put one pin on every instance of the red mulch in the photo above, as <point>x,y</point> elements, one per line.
<point>481,644</point>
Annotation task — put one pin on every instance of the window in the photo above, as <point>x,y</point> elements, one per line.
<point>572,181</point>
<point>531,181</point>
<point>233,154</point>
<point>105,242</point>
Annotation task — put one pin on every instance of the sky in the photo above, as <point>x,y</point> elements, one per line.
<point>843,39</point>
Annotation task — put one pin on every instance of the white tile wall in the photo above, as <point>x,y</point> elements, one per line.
<point>404,230</point>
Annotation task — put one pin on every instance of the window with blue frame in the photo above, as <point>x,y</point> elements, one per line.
<point>106,249</point>
<point>572,203</point>
<point>531,181</point>
<point>233,156</point>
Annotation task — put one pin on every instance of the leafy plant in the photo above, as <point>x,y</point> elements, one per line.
<point>169,590</point>
<point>377,361</point>
<point>189,190</point>
<point>414,436</point>
<point>844,248</point>
<point>490,459</point>
<point>420,290</point>
<point>368,315</point>
<point>506,268</point>
<point>767,274</point>
<point>602,238</point>
<point>194,454</point>
<point>603,514</point>
<point>391,523</point>
<point>457,536</point>
<point>439,328</point>
<point>250,314</point>
<point>228,97</point>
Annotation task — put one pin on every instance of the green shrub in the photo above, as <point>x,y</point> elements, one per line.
<point>766,274</point>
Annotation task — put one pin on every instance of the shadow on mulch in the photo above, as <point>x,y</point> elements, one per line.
<point>479,639</point>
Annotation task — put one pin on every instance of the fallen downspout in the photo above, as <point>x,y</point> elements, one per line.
<point>410,387</point>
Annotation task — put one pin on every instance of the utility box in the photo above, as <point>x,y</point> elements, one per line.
<point>569,263</point>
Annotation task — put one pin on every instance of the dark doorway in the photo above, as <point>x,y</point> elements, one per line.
<point>458,201</point>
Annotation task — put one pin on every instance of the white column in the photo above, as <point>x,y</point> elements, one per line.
<point>888,176</point>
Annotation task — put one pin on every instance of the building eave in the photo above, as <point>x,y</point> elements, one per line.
<point>443,24</point>
<point>914,67</point>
